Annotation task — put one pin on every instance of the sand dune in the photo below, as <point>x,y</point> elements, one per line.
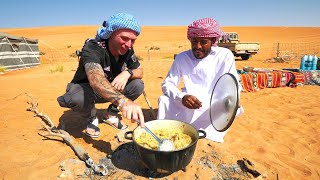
<point>278,132</point>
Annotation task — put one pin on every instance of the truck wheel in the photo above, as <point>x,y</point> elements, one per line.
<point>245,57</point>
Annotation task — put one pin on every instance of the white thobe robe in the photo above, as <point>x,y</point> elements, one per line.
<point>199,77</point>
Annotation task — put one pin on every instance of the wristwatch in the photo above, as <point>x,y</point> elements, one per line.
<point>130,72</point>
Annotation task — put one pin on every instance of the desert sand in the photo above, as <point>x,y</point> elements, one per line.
<point>279,131</point>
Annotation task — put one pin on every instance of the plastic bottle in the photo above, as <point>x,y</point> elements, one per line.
<point>309,62</point>
<point>304,58</point>
<point>315,62</point>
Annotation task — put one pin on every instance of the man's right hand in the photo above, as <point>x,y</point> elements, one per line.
<point>132,111</point>
<point>191,102</point>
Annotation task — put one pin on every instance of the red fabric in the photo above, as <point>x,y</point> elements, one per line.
<point>206,27</point>
<point>247,82</point>
<point>299,77</point>
<point>253,82</point>
<point>275,79</point>
<point>262,80</point>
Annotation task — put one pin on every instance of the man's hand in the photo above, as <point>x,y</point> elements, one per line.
<point>132,111</point>
<point>110,91</point>
<point>121,80</point>
<point>191,102</point>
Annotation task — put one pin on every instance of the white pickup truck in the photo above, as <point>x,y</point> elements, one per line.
<point>240,49</point>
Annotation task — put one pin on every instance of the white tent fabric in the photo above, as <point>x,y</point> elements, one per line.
<point>18,52</point>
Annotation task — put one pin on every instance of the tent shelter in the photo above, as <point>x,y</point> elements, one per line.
<point>18,52</point>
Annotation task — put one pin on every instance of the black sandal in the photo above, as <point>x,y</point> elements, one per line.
<point>96,131</point>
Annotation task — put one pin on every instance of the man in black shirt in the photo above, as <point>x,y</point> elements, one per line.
<point>108,71</point>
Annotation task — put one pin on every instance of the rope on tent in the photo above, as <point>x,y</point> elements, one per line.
<point>48,45</point>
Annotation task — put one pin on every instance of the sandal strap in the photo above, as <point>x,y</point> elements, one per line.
<point>94,121</point>
<point>96,128</point>
<point>120,125</point>
<point>114,120</point>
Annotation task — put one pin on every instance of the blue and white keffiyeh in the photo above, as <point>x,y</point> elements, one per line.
<point>116,22</point>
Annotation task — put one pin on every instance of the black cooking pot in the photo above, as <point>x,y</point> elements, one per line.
<point>170,161</point>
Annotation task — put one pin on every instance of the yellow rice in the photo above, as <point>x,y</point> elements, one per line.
<point>179,139</point>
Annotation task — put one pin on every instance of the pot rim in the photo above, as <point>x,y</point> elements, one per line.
<point>191,144</point>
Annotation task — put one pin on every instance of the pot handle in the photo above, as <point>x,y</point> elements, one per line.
<point>203,132</point>
<point>127,136</point>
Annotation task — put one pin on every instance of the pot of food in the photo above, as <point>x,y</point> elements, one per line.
<point>183,135</point>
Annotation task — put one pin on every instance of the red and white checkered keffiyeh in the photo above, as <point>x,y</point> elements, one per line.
<point>206,27</point>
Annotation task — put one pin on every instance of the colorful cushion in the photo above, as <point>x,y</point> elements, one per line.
<point>311,77</point>
<point>255,81</point>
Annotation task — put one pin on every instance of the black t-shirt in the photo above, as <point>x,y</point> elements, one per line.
<point>93,52</point>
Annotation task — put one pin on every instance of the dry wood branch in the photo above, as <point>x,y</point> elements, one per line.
<point>48,124</point>
<point>53,131</point>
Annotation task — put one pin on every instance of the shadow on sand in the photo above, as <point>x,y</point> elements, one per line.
<point>74,124</point>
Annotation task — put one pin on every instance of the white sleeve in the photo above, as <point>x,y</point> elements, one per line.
<point>170,84</point>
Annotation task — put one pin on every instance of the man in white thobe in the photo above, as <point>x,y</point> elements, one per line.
<point>199,68</point>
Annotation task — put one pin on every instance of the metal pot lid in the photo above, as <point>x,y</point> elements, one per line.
<point>224,102</point>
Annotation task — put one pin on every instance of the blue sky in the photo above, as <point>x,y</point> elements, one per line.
<point>37,13</point>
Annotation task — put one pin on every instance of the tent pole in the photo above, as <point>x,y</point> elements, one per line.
<point>31,49</point>
<point>14,50</point>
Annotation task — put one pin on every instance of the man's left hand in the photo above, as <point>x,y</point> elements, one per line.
<point>121,80</point>
<point>191,102</point>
